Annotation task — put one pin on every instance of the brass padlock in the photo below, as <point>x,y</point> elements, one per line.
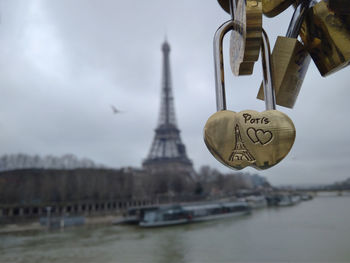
<point>245,44</point>
<point>341,7</point>
<point>290,61</point>
<point>346,20</point>
<point>273,8</point>
<point>327,38</point>
<point>225,4</point>
<point>247,138</point>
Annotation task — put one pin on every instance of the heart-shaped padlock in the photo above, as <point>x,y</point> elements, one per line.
<point>247,138</point>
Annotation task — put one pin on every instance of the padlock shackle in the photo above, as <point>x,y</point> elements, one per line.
<point>269,92</point>
<point>219,64</point>
<point>298,18</point>
<point>233,7</point>
<point>269,87</point>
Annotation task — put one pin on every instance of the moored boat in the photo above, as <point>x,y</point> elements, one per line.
<point>164,216</point>
<point>175,215</point>
<point>296,199</point>
<point>289,200</point>
<point>216,211</point>
<point>306,197</point>
<point>133,215</point>
<point>256,201</point>
<point>285,200</point>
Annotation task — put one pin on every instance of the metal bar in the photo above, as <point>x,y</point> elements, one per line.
<point>269,90</point>
<point>233,7</point>
<point>219,64</point>
<point>298,18</point>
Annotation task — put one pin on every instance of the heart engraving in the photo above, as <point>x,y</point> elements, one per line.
<point>249,138</point>
<point>251,132</point>
<point>264,137</point>
<point>259,136</point>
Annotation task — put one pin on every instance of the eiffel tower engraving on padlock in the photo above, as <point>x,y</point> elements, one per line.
<point>247,138</point>
<point>240,152</point>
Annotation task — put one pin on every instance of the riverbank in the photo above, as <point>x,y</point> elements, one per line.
<point>36,226</point>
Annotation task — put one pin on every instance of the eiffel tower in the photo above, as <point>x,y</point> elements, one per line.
<point>240,152</point>
<point>167,150</point>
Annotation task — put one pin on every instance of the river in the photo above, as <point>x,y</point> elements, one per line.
<point>312,231</point>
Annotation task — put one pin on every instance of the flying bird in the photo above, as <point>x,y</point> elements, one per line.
<point>115,110</point>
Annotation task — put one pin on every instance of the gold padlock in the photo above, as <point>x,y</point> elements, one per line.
<point>341,7</point>
<point>225,4</point>
<point>290,61</point>
<point>273,8</point>
<point>346,20</point>
<point>327,38</point>
<point>247,138</point>
<point>245,45</point>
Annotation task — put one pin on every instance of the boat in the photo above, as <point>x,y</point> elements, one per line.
<point>306,197</point>
<point>177,214</point>
<point>164,216</point>
<point>199,213</point>
<point>133,215</point>
<point>289,200</point>
<point>273,199</point>
<point>256,201</point>
<point>296,199</point>
<point>285,200</point>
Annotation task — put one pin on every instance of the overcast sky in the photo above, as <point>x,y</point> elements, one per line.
<point>63,63</point>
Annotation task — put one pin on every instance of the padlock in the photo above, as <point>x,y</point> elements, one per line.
<point>245,45</point>
<point>346,20</point>
<point>273,8</point>
<point>327,38</point>
<point>290,61</point>
<point>247,138</point>
<point>341,7</point>
<point>270,8</point>
<point>225,4</point>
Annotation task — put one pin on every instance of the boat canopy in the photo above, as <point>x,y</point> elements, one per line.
<point>235,204</point>
<point>201,207</point>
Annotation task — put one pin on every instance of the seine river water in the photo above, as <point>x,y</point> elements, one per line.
<point>313,231</point>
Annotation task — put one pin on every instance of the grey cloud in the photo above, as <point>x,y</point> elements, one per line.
<point>65,62</point>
